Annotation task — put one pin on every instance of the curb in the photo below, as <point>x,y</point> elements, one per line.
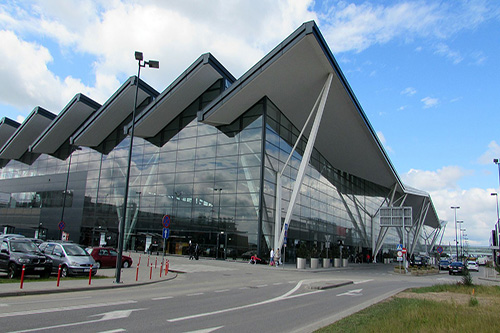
<point>320,286</point>
<point>73,289</point>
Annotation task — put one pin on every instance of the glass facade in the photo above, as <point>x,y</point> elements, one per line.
<point>217,185</point>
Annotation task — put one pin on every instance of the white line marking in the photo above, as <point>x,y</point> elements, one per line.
<point>118,330</point>
<point>66,308</point>
<point>161,298</point>
<point>206,330</point>
<point>221,291</point>
<point>364,281</point>
<point>354,292</point>
<point>261,285</point>
<point>277,284</point>
<point>279,298</point>
<point>195,294</point>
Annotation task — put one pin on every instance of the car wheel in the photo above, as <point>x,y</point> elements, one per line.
<point>449,273</point>
<point>12,271</point>
<point>126,264</point>
<point>64,271</point>
<point>97,264</point>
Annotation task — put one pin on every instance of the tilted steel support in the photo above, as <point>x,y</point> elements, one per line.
<point>278,242</point>
<point>423,215</point>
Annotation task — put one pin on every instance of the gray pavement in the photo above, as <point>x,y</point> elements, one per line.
<point>148,273</point>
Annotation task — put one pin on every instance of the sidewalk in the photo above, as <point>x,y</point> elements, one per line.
<point>129,277</point>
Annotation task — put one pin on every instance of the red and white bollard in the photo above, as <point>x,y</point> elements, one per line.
<point>167,263</point>
<point>22,276</point>
<point>59,275</point>
<point>137,273</point>
<point>150,272</point>
<point>156,260</point>
<point>90,275</point>
<point>161,268</point>
<point>148,259</point>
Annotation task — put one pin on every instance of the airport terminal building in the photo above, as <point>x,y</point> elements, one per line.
<point>280,157</point>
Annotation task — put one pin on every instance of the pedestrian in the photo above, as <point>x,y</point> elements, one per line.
<point>277,258</point>
<point>191,251</point>
<point>271,261</point>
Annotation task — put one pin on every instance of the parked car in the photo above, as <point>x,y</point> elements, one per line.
<point>419,261</point>
<point>472,266</point>
<point>444,264</point>
<point>456,267</point>
<point>106,257</point>
<point>16,252</point>
<point>74,260</point>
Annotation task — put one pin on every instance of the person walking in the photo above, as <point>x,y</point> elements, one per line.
<point>191,251</point>
<point>277,258</point>
<point>271,261</point>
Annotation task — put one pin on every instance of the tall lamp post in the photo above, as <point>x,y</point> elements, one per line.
<point>498,213</point>
<point>121,229</point>
<point>459,226</point>
<point>456,235</point>
<point>497,162</point>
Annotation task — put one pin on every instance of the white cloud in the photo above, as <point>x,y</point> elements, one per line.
<point>445,51</point>
<point>492,152</point>
<point>477,206</point>
<point>410,91</point>
<point>429,102</point>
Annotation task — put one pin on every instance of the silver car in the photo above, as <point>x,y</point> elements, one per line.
<point>74,260</point>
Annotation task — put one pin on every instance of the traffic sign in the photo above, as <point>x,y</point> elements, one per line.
<point>166,233</point>
<point>400,253</point>
<point>439,249</point>
<point>61,225</point>
<point>404,250</point>
<point>166,221</point>
<point>399,247</point>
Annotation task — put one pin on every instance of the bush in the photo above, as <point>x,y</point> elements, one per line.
<point>467,278</point>
<point>302,251</point>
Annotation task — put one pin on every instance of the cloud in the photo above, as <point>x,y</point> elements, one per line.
<point>410,91</point>
<point>477,206</point>
<point>492,152</point>
<point>429,102</point>
<point>382,139</point>
<point>444,50</point>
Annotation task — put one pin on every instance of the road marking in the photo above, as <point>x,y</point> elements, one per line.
<point>272,300</point>
<point>120,314</point>
<point>221,291</point>
<point>261,285</point>
<point>206,330</point>
<point>161,298</point>
<point>195,294</point>
<point>118,330</point>
<point>364,281</point>
<point>66,308</point>
<point>277,283</point>
<point>243,288</point>
<point>355,292</point>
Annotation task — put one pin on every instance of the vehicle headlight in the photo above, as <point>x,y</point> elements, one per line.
<point>23,261</point>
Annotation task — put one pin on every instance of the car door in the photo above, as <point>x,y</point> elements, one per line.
<point>4,256</point>
<point>47,249</point>
<point>58,256</point>
<point>109,259</point>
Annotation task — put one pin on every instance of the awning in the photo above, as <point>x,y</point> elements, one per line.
<point>23,137</point>
<point>112,113</point>
<point>7,128</point>
<point>194,81</point>
<point>66,123</point>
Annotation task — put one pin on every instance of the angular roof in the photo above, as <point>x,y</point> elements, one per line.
<point>17,145</point>
<point>292,76</point>
<point>66,123</point>
<point>7,128</point>
<point>195,80</point>
<point>109,116</point>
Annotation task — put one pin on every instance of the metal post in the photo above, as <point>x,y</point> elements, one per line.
<point>456,235</point>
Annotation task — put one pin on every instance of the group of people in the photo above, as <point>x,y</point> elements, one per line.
<point>275,259</point>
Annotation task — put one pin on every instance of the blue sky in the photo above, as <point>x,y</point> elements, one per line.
<point>425,72</point>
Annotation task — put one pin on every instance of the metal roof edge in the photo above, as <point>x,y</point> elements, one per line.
<point>10,122</point>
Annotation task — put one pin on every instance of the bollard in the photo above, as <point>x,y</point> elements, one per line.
<point>161,268</point>
<point>150,272</point>
<point>148,259</point>
<point>58,275</point>
<point>22,276</point>
<point>90,275</point>
<point>167,263</point>
<point>137,273</point>
<point>156,260</point>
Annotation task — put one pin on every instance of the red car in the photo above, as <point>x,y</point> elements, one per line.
<point>106,257</point>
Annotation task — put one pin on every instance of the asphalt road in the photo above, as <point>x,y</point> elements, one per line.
<point>228,297</point>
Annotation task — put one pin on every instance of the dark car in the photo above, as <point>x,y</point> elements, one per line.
<point>419,261</point>
<point>444,265</point>
<point>106,257</point>
<point>16,252</point>
<point>456,267</point>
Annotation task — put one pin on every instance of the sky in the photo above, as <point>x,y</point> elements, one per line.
<point>426,73</point>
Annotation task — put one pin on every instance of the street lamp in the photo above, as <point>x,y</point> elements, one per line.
<point>459,225</point>
<point>496,161</point>
<point>456,236</point>
<point>121,229</point>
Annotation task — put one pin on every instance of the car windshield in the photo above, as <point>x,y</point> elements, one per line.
<point>74,250</point>
<point>23,247</point>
